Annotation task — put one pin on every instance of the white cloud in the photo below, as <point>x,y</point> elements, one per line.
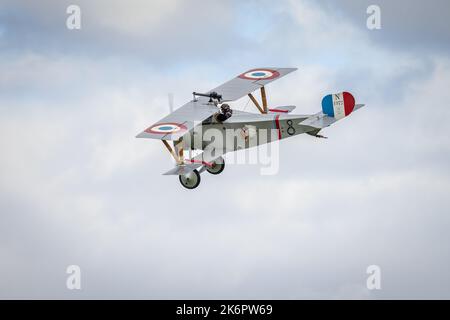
<point>77,187</point>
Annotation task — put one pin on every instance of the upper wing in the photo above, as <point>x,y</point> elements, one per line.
<point>249,81</point>
<point>176,124</point>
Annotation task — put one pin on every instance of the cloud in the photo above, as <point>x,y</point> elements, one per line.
<point>76,187</point>
<point>161,33</point>
<point>423,30</point>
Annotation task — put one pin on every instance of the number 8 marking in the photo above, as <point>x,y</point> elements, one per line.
<point>290,129</point>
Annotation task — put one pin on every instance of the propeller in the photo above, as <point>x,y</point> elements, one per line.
<point>170,96</point>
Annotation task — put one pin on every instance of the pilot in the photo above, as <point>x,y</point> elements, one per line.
<point>225,113</point>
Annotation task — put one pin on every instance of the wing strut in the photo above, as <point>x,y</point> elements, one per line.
<point>262,109</point>
<point>264,99</point>
<point>255,102</point>
<point>178,156</point>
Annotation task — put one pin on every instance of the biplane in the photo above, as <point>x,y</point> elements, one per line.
<point>190,126</point>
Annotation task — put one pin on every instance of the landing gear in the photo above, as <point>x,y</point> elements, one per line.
<point>217,166</point>
<point>190,180</point>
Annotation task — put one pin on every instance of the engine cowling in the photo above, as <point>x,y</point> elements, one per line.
<point>338,105</point>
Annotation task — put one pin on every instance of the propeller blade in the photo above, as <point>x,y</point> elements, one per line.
<point>170,96</point>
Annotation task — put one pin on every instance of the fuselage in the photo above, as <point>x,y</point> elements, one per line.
<point>244,130</point>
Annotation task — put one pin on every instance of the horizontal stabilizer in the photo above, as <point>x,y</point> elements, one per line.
<point>283,109</point>
<point>321,120</point>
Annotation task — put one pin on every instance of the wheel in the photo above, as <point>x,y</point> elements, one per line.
<point>217,166</point>
<point>190,180</point>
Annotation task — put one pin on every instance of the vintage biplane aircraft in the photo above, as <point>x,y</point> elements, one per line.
<point>187,127</point>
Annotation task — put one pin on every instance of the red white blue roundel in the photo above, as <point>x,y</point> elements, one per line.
<point>260,74</point>
<point>166,128</point>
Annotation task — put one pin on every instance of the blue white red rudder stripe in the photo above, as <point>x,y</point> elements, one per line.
<point>338,105</point>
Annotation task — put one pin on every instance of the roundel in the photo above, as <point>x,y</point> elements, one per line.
<point>260,74</point>
<point>165,128</point>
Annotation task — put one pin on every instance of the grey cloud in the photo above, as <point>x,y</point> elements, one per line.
<point>109,28</point>
<point>416,25</point>
<point>76,187</point>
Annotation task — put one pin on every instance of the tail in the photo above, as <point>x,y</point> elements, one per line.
<point>334,107</point>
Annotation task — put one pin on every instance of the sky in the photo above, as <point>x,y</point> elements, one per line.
<point>77,187</point>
